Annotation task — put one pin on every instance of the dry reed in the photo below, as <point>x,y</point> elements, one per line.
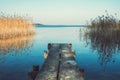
<point>15,26</point>
<point>103,35</point>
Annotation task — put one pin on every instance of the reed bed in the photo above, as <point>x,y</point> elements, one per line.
<point>103,35</point>
<point>15,26</point>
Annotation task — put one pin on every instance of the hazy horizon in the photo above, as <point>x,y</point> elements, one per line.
<point>60,12</point>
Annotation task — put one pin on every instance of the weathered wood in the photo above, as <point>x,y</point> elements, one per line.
<point>50,67</point>
<point>60,64</point>
<point>68,69</point>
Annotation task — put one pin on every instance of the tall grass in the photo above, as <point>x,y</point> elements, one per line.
<point>104,36</point>
<point>15,26</point>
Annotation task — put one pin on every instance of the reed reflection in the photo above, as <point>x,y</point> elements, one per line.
<point>105,44</point>
<point>103,36</point>
<point>15,45</point>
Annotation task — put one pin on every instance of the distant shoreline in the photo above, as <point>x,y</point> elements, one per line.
<point>41,25</point>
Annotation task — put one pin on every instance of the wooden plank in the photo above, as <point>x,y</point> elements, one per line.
<point>68,69</point>
<point>49,69</point>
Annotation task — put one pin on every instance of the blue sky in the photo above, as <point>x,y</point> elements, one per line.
<point>60,11</point>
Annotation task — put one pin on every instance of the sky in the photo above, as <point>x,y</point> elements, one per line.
<point>64,12</point>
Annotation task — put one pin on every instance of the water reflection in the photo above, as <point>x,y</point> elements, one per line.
<point>14,45</point>
<point>105,42</point>
<point>14,57</point>
<point>32,74</point>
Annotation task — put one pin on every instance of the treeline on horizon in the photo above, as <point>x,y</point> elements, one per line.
<point>56,25</point>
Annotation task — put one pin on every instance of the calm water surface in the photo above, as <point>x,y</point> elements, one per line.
<point>18,56</point>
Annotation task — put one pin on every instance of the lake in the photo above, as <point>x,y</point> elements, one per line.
<point>17,56</point>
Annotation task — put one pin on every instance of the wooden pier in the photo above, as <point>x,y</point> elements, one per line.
<point>60,64</point>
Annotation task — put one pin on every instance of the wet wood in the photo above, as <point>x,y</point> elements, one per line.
<point>60,64</point>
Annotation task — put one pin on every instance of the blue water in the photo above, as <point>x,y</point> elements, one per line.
<point>16,65</point>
